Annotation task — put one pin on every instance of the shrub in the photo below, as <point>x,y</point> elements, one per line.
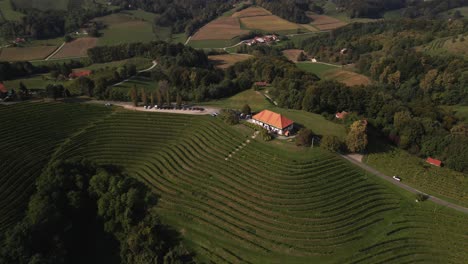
<point>331,143</point>
<point>420,197</point>
<point>304,137</point>
<point>229,116</point>
<point>265,135</point>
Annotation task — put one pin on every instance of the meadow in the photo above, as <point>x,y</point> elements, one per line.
<point>36,82</point>
<point>264,204</point>
<point>7,13</point>
<point>323,22</point>
<point>42,4</point>
<point>226,60</point>
<point>317,68</point>
<point>125,28</point>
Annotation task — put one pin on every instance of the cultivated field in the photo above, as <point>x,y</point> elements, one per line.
<point>447,45</point>
<point>292,54</point>
<point>323,22</point>
<point>76,48</point>
<point>224,28</point>
<point>268,23</point>
<point>31,132</point>
<point>347,77</point>
<point>125,28</point>
<point>26,53</point>
<point>252,12</point>
<point>226,60</point>
<point>264,204</point>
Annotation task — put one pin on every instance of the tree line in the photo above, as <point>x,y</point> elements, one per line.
<point>85,213</point>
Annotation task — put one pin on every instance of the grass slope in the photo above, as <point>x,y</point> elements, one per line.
<point>31,132</point>
<point>263,205</point>
<point>42,4</point>
<point>7,12</point>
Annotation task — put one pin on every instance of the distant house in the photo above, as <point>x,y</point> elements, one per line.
<point>341,115</point>
<point>434,162</point>
<point>3,91</point>
<point>262,40</point>
<point>78,74</point>
<point>19,40</point>
<point>313,60</point>
<point>343,51</point>
<point>261,84</point>
<point>273,122</point>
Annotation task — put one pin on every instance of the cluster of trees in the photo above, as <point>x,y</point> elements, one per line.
<point>181,16</point>
<point>83,213</point>
<point>419,126</point>
<point>291,10</point>
<point>15,70</point>
<point>49,24</point>
<point>385,51</point>
<point>411,9</point>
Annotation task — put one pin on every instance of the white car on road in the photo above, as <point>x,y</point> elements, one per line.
<point>396,178</point>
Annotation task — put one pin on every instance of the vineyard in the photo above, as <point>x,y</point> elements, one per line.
<point>30,134</point>
<point>235,199</point>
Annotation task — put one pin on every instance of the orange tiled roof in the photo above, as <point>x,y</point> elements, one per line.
<point>3,89</point>
<point>273,119</point>
<point>434,162</point>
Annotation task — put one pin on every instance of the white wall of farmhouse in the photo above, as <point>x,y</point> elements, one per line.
<point>271,128</point>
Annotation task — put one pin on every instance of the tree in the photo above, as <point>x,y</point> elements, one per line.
<point>265,135</point>
<point>152,98</point>
<point>229,116</point>
<point>178,101</point>
<point>304,137</point>
<point>301,57</point>
<point>159,97</point>
<point>246,110</point>
<point>144,97</point>
<point>85,85</point>
<point>331,143</point>
<point>356,140</point>
<point>134,95</point>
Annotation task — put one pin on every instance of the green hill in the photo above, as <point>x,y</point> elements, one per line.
<point>235,199</point>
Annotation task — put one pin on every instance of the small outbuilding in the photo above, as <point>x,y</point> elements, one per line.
<point>77,74</point>
<point>434,162</point>
<point>3,91</point>
<point>273,122</point>
<point>341,115</point>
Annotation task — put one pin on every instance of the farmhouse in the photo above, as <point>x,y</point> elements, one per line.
<point>341,115</point>
<point>78,74</point>
<point>273,122</point>
<point>261,84</point>
<point>434,162</point>
<point>262,40</point>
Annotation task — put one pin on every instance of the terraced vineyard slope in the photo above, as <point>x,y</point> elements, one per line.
<point>238,200</point>
<point>31,132</point>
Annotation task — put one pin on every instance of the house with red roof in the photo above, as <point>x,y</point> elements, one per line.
<point>434,162</point>
<point>261,84</point>
<point>341,115</point>
<point>273,122</point>
<point>3,91</point>
<point>78,74</point>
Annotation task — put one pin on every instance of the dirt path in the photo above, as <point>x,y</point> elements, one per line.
<point>155,63</point>
<point>129,106</point>
<point>406,187</point>
<point>55,52</point>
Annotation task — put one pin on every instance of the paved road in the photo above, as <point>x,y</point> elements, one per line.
<point>406,187</point>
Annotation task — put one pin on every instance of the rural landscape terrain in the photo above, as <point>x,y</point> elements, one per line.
<point>228,131</point>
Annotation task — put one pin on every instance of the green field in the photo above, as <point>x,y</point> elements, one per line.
<point>125,28</point>
<point>32,82</point>
<point>441,182</point>
<point>317,68</point>
<point>139,82</point>
<point>461,111</point>
<point>7,12</point>
<point>42,4</point>
<point>213,44</point>
<point>257,102</point>
<point>140,63</point>
<point>265,204</point>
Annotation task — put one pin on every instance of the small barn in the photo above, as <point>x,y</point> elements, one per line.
<point>341,115</point>
<point>77,74</point>
<point>273,122</point>
<point>434,162</point>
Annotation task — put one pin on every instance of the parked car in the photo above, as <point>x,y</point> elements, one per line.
<point>396,178</point>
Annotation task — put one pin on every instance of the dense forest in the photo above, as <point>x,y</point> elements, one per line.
<point>291,10</point>
<point>411,9</point>
<point>83,213</point>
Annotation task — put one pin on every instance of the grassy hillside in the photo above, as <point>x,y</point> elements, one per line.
<point>42,4</point>
<point>264,204</point>
<point>7,12</point>
<point>31,132</point>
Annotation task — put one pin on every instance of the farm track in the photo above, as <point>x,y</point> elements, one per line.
<point>261,200</point>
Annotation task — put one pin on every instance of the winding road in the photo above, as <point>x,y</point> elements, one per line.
<point>406,187</point>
